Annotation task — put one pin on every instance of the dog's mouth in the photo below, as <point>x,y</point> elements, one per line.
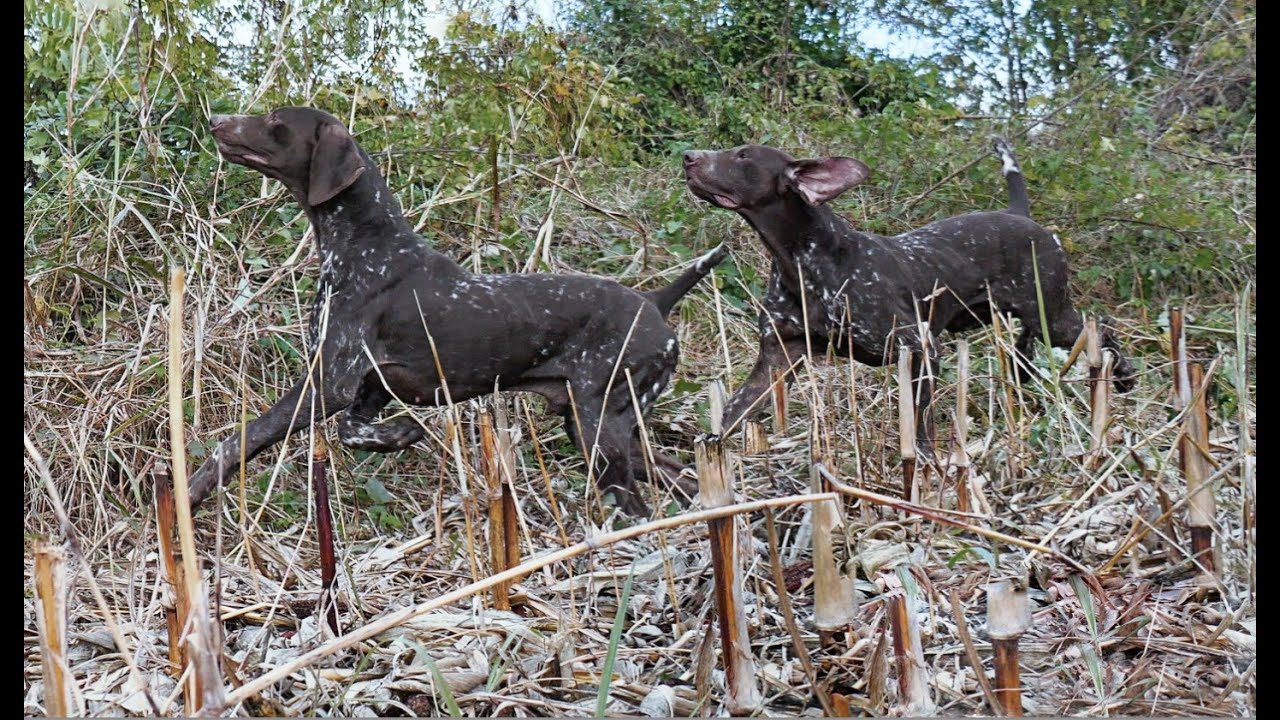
<point>236,153</point>
<point>724,201</point>
<point>718,199</point>
<point>241,155</point>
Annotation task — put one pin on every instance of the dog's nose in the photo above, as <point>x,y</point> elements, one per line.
<point>691,157</point>
<point>217,121</point>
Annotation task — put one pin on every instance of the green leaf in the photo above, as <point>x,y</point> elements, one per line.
<point>615,635</point>
<point>686,387</point>
<point>1206,258</point>
<point>981,552</point>
<point>908,580</point>
<point>441,689</point>
<point>1095,668</point>
<point>377,491</point>
<point>1086,604</point>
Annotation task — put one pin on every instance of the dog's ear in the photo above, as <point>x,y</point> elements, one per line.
<point>335,164</point>
<point>824,179</point>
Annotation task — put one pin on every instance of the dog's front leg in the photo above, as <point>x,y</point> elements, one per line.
<point>924,371</point>
<point>358,427</point>
<point>1122,373</point>
<point>291,412</point>
<point>776,355</point>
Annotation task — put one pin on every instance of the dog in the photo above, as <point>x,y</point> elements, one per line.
<point>393,318</point>
<point>864,294</point>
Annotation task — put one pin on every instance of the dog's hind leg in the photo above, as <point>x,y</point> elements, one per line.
<point>618,473</point>
<point>647,387</point>
<point>357,427</point>
<point>607,444</point>
<point>1025,346</point>
<point>666,469</point>
<point>924,371</point>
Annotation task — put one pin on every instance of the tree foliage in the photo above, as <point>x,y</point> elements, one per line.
<point>1139,117</point>
<point>723,62</point>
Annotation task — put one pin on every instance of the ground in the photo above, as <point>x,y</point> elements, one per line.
<point>1144,633</point>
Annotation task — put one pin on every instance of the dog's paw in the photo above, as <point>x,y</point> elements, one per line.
<point>684,485</point>
<point>405,432</point>
<point>1124,383</point>
<point>627,499</point>
<point>386,436</point>
<point>682,482</point>
<point>201,485</point>
<point>1124,378</point>
<point>924,449</point>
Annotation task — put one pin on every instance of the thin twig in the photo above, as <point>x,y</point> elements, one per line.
<point>600,541</point>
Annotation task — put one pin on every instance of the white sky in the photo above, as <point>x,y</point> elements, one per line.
<point>873,36</point>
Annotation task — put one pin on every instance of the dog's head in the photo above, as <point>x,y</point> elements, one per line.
<point>753,177</point>
<point>309,151</point>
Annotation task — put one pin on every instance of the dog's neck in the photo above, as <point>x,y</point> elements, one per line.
<point>362,212</point>
<point>362,230</point>
<point>798,235</point>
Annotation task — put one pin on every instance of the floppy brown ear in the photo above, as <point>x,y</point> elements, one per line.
<point>824,179</point>
<point>335,164</point>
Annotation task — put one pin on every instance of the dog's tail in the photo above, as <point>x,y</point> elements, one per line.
<point>666,298</point>
<point>1019,204</point>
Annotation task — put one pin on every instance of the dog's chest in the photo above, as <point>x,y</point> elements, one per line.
<point>848,297</point>
<point>823,305</point>
<point>345,293</point>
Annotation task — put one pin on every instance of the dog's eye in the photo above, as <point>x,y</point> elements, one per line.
<point>742,154</point>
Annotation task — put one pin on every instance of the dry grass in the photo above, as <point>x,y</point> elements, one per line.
<point>1147,635</point>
